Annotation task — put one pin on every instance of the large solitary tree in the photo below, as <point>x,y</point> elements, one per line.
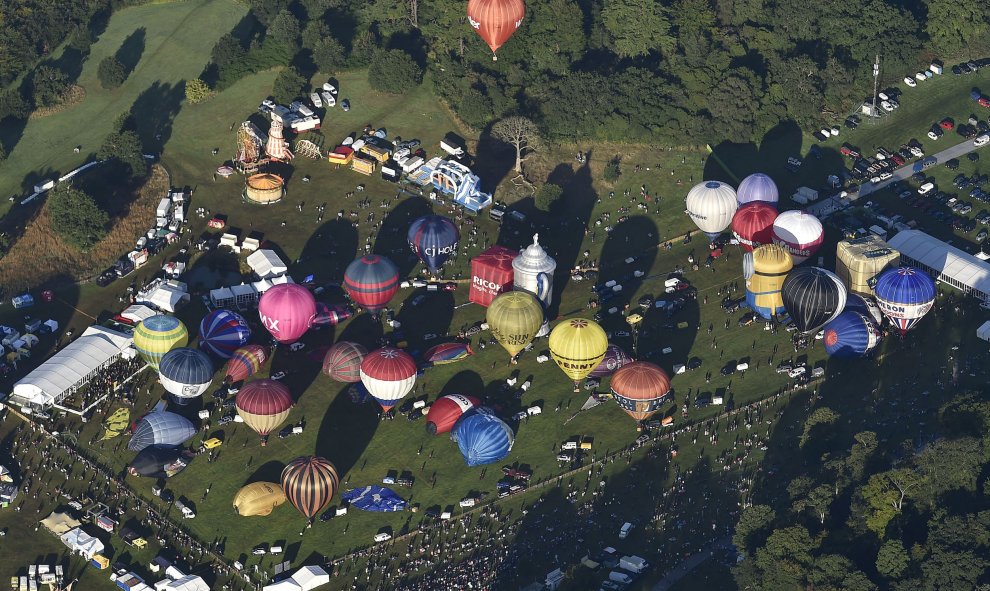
<point>520,133</point>
<point>76,216</point>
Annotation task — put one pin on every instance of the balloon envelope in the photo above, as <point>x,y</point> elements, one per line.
<point>160,461</point>
<point>309,483</point>
<point>388,374</point>
<point>482,437</point>
<point>264,405</point>
<point>371,281</point>
<point>813,297</point>
<point>343,362</point>
<point>752,224</point>
<point>287,311</point>
<point>640,388</point>
<point>577,346</point>
<point>771,264</point>
<point>185,372</point>
<point>757,187</point>
<point>245,362</point>
<point>905,295</point>
<point>374,498</point>
<point>495,20</point>
<point>433,239</point>
<point>711,205</point>
<point>865,306</point>
<point>161,428</point>
<point>157,335</point>
<point>258,498</point>
<point>615,358</point>
<point>800,233</point>
<point>445,412</point>
<point>851,334</point>
<point>447,353</point>
<point>514,317</point>
<point>221,332</point>
<point>331,315</point>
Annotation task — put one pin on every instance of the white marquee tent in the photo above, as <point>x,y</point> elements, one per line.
<point>70,368</point>
<point>137,313</point>
<point>185,583</point>
<point>82,543</point>
<point>266,264</point>
<point>306,578</point>
<point>946,262</point>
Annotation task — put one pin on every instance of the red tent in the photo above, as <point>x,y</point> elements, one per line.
<point>491,274</point>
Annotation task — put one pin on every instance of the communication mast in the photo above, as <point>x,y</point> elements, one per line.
<point>876,88</point>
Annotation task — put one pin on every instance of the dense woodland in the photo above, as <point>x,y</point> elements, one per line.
<point>904,516</point>
<point>676,71</point>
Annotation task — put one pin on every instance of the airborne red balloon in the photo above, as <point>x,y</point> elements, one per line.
<point>495,20</point>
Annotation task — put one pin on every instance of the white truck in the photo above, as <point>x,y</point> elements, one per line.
<point>624,530</point>
<point>636,564</point>
<point>620,577</point>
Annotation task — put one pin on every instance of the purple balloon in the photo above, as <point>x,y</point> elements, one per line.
<point>615,358</point>
<point>757,187</point>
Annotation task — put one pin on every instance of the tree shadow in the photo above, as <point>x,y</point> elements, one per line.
<point>411,42</point>
<point>494,160</point>
<point>391,239</point>
<point>328,251</point>
<point>11,132</point>
<point>130,51</point>
<point>155,110</point>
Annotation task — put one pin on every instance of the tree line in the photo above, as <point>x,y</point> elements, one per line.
<point>860,515</point>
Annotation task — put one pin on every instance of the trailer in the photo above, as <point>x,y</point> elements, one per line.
<point>363,164</point>
<point>391,171</point>
<point>341,156</point>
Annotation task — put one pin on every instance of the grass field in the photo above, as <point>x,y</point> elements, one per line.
<point>169,42</point>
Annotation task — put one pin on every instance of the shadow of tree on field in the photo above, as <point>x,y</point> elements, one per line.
<point>155,110</point>
<point>130,51</point>
<point>494,160</point>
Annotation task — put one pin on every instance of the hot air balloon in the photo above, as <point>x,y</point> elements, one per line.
<point>905,295</point>
<point>245,362</point>
<point>851,334</point>
<point>343,362</point>
<point>495,20</point>
<point>287,311</point>
<point>514,317</point>
<point>757,187</point>
<point>161,428</point>
<point>447,353</point>
<point>388,374</point>
<point>865,306</point>
<point>377,499</point>
<point>577,346</point>
<point>640,388</point>
<point>748,268</point>
<point>752,225</point>
<point>771,264</point>
<point>445,412</point>
<point>615,358</point>
<point>264,405</point>
<point>258,498</point>
<point>371,281</point>
<point>813,297</point>
<point>800,233</point>
<point>309,483</point>
<point>160,461</point>
<point>711,205</point>
<point>185,373</point>
<point>331,315</point>
<point>157,335</point>
<point>482,437</point>
<point>221,332</point>
<point>433,239</point>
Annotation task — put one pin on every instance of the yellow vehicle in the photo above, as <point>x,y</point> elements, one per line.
<point>139,542</point>
<point>212,442</point>
<point>586,445</point>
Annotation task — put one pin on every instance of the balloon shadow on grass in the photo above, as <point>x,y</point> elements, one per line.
<point>328,252</point>
<point>431,317</point>
<point>346,430</point>
<point>391,239</point>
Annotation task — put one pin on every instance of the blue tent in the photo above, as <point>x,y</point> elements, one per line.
<point>482,437</point>
<point>375,498</point>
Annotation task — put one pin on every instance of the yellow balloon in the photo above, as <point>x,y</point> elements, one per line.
<point>258,498</point>
<point>578,346</point>
<point>514,317</point>
<point>771,264</point>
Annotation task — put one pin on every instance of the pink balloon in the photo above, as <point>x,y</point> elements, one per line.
<point>287,310</point>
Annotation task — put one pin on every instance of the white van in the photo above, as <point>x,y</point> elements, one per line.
<point>383,537</point>
<point>742,367</point>
<point>926,188</point>
<point>982,140</point>
<point>624,530</point>
<point>275,550</point>
<point>569,445</point>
